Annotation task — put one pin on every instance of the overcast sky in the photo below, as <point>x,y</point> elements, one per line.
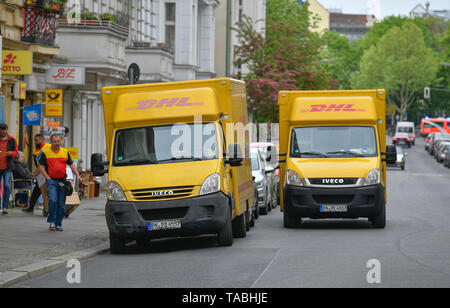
<point>382,8</point>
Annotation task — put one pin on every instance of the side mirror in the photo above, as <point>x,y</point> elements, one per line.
<point>391,154</point>
<point>98,165</point>
<point>234,155</point>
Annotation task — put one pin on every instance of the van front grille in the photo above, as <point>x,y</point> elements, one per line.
<point>152,194</point>
<point>333,199</point>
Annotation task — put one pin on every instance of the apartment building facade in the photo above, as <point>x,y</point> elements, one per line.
<point>27,41</point>
<point>168,40</point>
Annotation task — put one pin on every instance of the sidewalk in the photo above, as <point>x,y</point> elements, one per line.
<point>25,239</point>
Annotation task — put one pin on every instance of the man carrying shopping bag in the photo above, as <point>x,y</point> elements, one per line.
<point>52,165</point>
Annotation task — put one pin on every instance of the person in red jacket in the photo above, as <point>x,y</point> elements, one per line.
<point>8,150</point>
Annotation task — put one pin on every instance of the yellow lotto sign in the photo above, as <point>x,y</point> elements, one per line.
<point>54,102</point>
<point>73,152</point>
<point>17,62</point>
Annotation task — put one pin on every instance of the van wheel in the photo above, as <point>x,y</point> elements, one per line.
<point>116,244</point>
<point>379,220</point>
<point>225,235</point>
<point>290,221</point>
<point>239,226</point>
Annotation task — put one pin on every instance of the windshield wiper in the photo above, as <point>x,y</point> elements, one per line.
<point>309,153</point>
<point>136,162</point>
<point>347,152</point>
<point>181,158</point>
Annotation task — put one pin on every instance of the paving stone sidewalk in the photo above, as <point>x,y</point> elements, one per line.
<point>26,240</point>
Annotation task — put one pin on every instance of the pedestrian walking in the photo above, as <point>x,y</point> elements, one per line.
<point>8,150</point>
<point>39,144</point>
<point>52,164</point>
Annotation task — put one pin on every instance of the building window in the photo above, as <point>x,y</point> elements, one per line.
<point>170,24</point>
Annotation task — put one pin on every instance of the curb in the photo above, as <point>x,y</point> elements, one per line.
<point>21,274</point>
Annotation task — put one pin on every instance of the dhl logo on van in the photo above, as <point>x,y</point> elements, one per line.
<point>333,108</point>
<point>165,102</point>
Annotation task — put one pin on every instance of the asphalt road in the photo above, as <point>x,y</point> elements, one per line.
<point>413,250</point>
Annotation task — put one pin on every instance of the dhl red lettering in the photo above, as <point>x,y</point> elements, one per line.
<point>146,104</point>
<point>349,108</point>
<point>182,102</point>
<point>166,102</point>
<point>317,108</point>
<point>335,107</point>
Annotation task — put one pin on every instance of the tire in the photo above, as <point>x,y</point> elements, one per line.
<point>264,210</point>
<point>239,226</point>
<point>379,220</point>
<point>256,212</point>
<point>290,221</point>
<point>225,235</point>
<point>116,244</point>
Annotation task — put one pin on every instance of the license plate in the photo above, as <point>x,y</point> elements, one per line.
<point>333,208</point>
<point>164,225</point>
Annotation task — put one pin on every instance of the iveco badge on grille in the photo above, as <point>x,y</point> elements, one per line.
<point>162,193</point>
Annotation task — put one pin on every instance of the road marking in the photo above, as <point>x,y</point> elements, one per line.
<point>265,270</point>
<point>428,174</point>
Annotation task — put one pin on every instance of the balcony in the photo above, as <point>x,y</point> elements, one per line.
<point>102,41</point>
<point>39,25</point>
<point>155,62</point>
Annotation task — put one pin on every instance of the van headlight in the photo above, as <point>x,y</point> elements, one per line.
<point>211,184</point>
<point>115,192</point>
<point>372,178</point>
<point>292,178</point>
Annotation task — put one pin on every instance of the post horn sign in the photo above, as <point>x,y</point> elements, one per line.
<point>53,103</point>
<point>17,62</point>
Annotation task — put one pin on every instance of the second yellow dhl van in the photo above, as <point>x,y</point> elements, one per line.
<point>334,143</point>
<point>169,175</point>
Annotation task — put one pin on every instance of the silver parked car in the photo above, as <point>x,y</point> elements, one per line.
<point>262,180</point>
<point>440,150</point>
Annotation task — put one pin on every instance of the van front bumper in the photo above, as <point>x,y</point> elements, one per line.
<point>199,215</point>
<point>360,201</point>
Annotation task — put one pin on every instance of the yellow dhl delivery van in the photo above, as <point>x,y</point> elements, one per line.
<point>168,174</point>
<point>335,148</point>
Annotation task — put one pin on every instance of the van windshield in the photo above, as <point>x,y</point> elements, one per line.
<point>333,141</point>
<point>404,129</point>
<point>165,144</point>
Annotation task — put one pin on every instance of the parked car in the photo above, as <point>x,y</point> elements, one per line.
<point>401,159</point>
<point>262,181</point>
<point>428,143</point>
<point>434,137</point>
<point>401,139</point>
<point>447,156</point>
<point>439,154</point>
<point>270,156</point>
<point>437,141</point>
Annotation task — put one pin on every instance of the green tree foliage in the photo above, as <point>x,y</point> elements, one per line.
<point>340,59</point>
<point>286,58</point>
<point>400,63</point>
